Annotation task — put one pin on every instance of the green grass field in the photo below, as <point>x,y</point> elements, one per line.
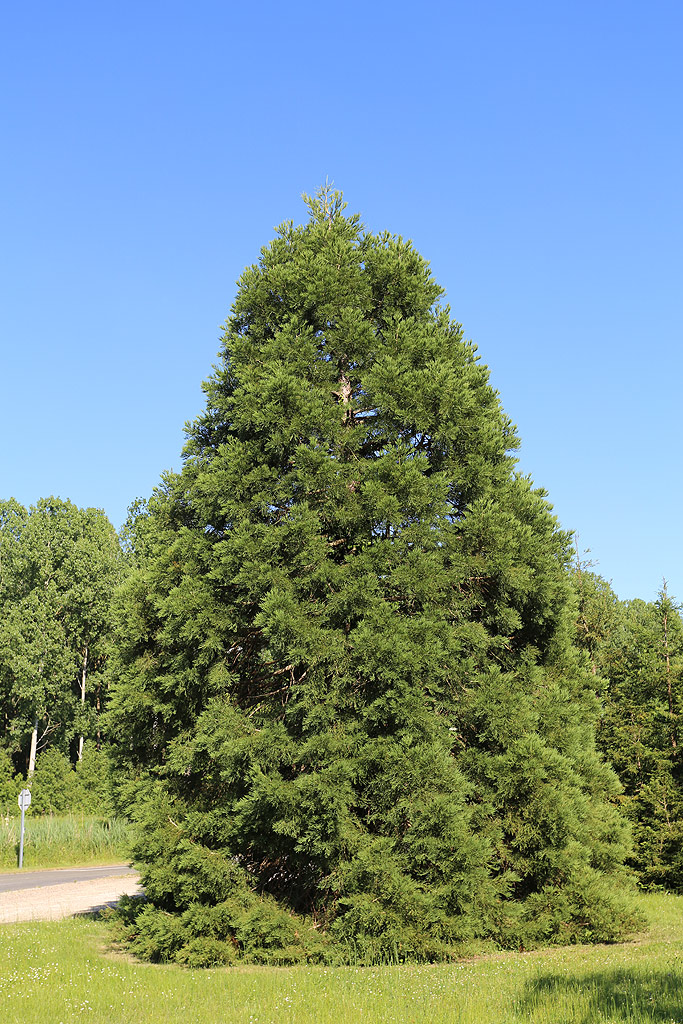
<point>63,972</point>
<point>56,842</point>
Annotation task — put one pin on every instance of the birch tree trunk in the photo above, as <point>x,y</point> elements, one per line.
<point>83,674</point>
<point>34,744</point>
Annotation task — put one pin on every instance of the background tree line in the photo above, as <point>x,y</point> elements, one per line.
<point>635,650</point>
<point>59,568</point>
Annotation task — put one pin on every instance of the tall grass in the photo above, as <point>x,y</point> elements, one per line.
<point>64,972</point>
<point>62,841</point>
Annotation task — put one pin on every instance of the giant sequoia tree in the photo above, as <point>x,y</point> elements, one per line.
<point>346,688</point>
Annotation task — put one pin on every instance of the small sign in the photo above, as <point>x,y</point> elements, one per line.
<point>25,799</point>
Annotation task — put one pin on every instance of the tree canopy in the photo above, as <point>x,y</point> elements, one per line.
<point>59,565</point>
<point>347,690</point>
<point>636,647</point>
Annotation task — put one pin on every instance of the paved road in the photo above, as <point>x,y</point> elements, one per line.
<point>51,895</point>
<point>59,876</point>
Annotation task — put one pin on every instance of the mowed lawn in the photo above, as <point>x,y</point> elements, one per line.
<point>56,973</point>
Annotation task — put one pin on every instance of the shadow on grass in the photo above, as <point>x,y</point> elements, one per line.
<point>615,995</point>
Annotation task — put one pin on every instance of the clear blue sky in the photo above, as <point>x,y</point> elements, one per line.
<point>532,151</point>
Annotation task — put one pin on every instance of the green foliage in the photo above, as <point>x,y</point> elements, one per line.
<point>201,910</point>
<point>10,786</point>
<point>58,567</point>
<point>94,777</point>
<point>638,649</point>
<point>55,788</point>
<point>59,788</point>
<point>346,687</point>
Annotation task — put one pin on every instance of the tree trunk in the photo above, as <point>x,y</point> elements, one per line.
<point>83,674</point>
<point>34,744</point>
<point>97,710</point>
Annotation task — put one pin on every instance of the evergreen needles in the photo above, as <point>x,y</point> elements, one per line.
<point>347,691</point>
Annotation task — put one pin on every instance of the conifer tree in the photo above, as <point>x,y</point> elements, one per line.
<point>637,647</point>
<point>347,692</point>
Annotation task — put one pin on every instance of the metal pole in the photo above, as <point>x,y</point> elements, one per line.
<point>24,802</point>
<point>21,841</point>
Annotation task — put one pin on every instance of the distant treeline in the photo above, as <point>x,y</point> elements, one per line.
<point>635,651</point>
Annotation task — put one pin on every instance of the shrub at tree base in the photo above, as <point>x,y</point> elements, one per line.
<point>346,692</point>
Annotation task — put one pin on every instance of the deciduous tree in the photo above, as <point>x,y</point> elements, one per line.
<point>58,567</point>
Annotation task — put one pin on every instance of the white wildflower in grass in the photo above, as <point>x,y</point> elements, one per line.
<point>66,972</point>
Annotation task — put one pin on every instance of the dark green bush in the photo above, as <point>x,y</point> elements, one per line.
<point>55,787</point>
<point>10,786</point>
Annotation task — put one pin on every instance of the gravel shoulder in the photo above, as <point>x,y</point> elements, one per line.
<point>57,897</point>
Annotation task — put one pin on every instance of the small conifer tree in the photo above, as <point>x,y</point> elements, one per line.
<point>347,693</point>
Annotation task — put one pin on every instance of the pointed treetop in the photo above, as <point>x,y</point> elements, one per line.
<point>327,203</point>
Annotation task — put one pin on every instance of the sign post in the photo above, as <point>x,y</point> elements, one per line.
<point>24,802</point>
